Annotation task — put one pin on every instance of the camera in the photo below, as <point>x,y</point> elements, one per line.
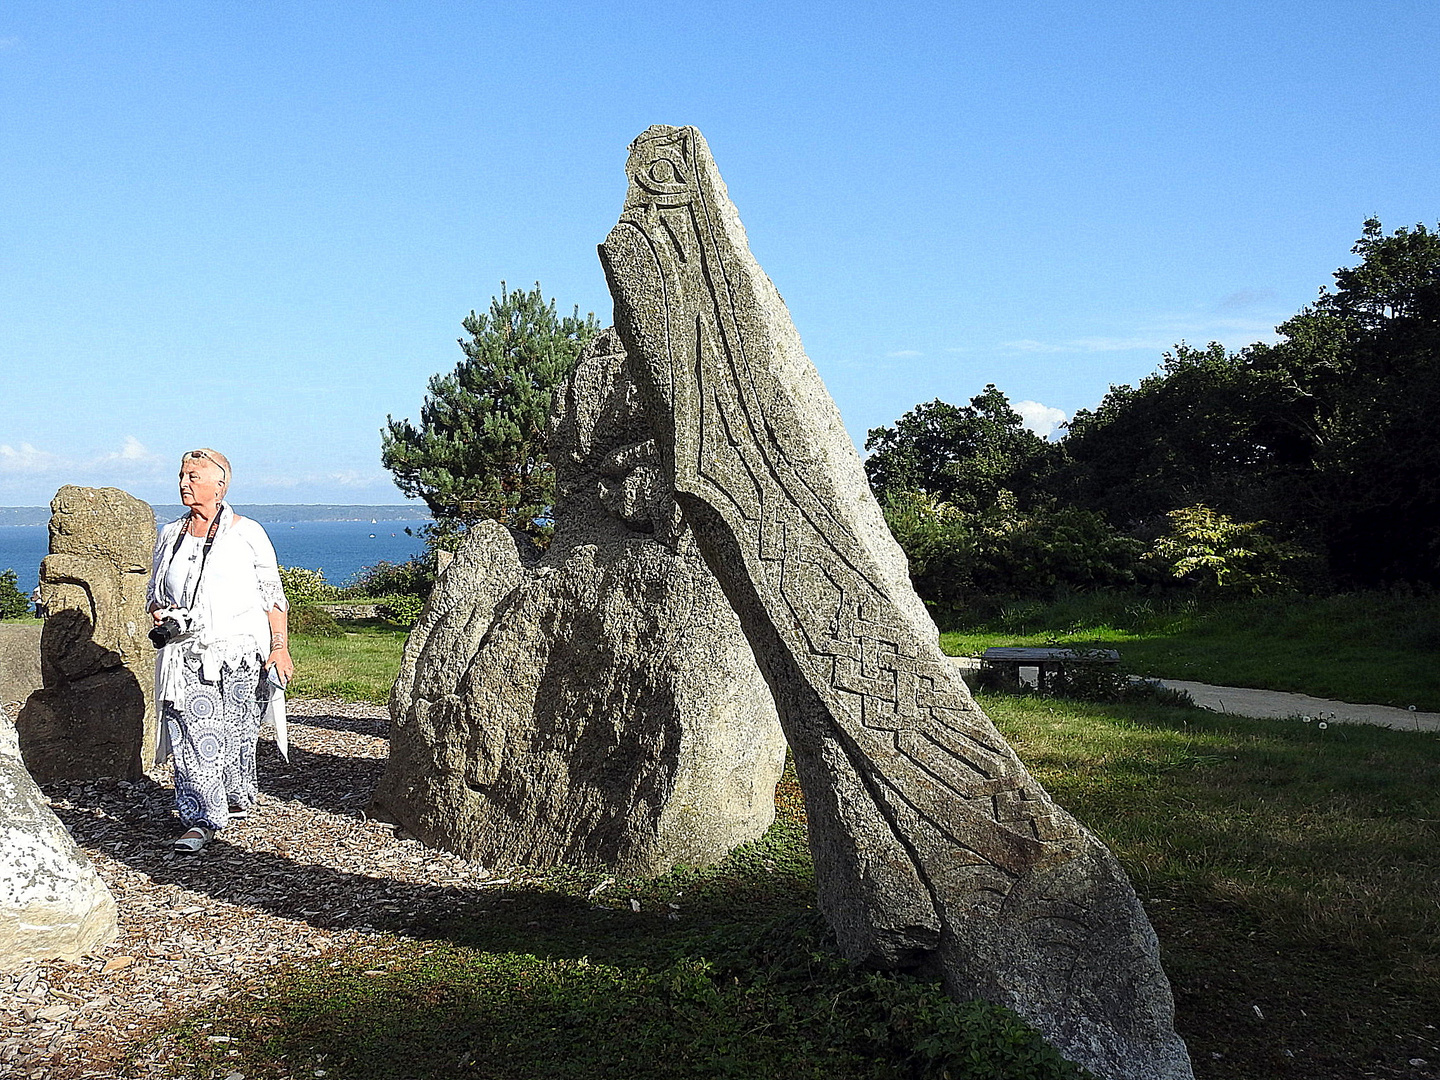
<point>174,624</point>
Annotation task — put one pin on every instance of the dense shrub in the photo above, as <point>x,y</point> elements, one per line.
<point>13,603</point>
<point>414,577</point>
<point>401,610</point>
<point>304,586</point>
<point>1217,552</point>
<point>313,621</point>
<point>959,558</point>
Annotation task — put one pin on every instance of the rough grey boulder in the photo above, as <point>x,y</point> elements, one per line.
<point>53,906</point>
<point>932,844</point>
<point>597,705</point>
<point>94,715</point>
<point>19,662</point>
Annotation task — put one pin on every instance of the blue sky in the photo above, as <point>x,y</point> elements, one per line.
<point>257,225</point>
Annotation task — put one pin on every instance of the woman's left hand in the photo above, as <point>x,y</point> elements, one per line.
<point>281,662</point>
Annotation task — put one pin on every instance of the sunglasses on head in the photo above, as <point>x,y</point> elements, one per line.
<point>202,454</point>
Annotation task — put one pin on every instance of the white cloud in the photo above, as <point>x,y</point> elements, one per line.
<point>28,459</point>
<point>132,451</point>
<point>279,481</point>
<point>1044,420</point>
<point>354,479</point>
<point>132,459</point>
<point>903,354</point>
<point>8,43</point>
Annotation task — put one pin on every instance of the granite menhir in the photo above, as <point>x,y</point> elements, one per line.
<point>933,845</point>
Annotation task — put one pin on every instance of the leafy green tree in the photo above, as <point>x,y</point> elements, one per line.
<point>1327,433</point>
<point>479,449</point>
<point>963,455</point>
<point>1206,427</point>
<point>1367,362</point>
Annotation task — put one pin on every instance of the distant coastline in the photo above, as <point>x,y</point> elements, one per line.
<point>262,512</point>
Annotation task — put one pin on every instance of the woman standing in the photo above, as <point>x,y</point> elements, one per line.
<point>220,623</point>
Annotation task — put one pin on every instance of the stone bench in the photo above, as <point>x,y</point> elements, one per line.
<point>1048,662</point>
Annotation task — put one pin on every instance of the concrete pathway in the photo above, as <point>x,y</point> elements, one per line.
<point>1242,701</point>
<point>1274,704</point>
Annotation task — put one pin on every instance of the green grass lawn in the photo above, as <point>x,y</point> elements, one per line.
<point>1366,648</point>
<point>360,665</point>
<point>1292,874</point>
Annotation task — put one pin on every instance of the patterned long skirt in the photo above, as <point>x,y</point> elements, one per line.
<point>213,735</point>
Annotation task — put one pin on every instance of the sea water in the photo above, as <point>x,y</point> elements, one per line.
<point>339,548</point>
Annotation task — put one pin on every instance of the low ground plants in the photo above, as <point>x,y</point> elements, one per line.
<point>720,972</point>
<point>402,610</point>
<point>304,586</point>
<point>311,620</point>
<point>415,577</point>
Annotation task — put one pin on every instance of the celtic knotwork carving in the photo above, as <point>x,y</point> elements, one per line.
<point>930,836</point>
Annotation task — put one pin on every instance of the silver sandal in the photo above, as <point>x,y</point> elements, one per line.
<point>192,840</point>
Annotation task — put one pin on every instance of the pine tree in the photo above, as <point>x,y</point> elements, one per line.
<point>479,449</point>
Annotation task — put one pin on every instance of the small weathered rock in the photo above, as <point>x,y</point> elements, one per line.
<point>933,845</point>
<point>94,715</point>
<point>598,704</point>
<point>53,906</point>
<point>19,661</point>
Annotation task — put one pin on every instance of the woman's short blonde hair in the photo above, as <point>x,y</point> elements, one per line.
<point>212,456</point>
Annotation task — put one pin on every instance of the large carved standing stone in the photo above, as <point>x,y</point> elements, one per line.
<point>95,714</point>
<point>931,841</point>
<point>53,906</point>
<point>597,705</point>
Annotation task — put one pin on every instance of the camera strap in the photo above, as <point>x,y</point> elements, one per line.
<point>205,552</point>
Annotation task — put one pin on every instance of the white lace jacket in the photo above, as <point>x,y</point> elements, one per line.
<point>241,582</point>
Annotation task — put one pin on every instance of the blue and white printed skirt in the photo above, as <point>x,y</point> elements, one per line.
<point>213,738</point>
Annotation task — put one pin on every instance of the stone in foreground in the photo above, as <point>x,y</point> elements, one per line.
<point>53,906</point>
<point>94,715</point>
<point>932,843</point>
<point>597,705</point>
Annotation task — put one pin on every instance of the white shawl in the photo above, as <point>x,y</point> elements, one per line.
<point>239,584</point>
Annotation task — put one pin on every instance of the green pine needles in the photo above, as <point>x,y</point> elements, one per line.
<point>479,449</point>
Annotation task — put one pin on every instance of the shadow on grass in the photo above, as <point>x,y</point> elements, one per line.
<point>738,999</point>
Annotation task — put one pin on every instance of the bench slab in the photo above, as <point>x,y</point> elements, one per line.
<point>1024,655</point>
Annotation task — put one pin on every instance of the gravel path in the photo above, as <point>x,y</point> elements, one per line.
<point>305,876</point>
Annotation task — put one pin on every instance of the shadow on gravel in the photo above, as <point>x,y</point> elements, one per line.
<point>331,783</point>
<point>360,725</point>
<point>263,863</point>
